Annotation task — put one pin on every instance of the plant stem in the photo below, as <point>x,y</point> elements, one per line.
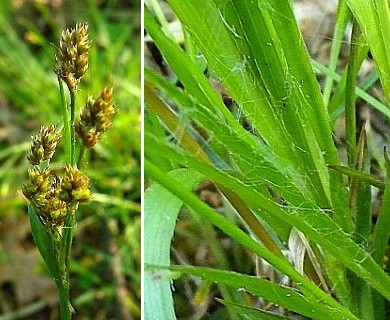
<point>65,306</point>
<point>381,230</point>
<point>350,108</point>
<point>64,251</point>
<point>342,18</point>
<point>67,131</point>
<point>72,133</point>
<point>67,238</point>
<point>63,283</point>
<point>153,4</point>
<point>81,155</point>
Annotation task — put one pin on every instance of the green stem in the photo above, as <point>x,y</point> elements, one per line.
<point>382,231</point>
<point>65,115</point>
<point>65,306</point>
<point>81,155</point>
<point>72,133</point>
<point>350,108</point>
<point>155,6</point>
<point>342,19</point>
<point>67,239</point>
<point>63,284</point>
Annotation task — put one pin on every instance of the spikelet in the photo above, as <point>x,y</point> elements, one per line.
<point>71,62</point>
<point>75,187</point>
<point>43,190</point>
<point>95,118</point>
<point>54,196</point>
<point>43,145</point>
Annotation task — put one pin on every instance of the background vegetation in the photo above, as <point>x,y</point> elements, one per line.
<point>106,256</point>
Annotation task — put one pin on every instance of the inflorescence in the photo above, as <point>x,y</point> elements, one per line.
<point>53,196</point>
<point>71,62</point>
<point>95,118</point>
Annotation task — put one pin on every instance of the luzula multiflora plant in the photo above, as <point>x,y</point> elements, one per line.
<point>54,196</point>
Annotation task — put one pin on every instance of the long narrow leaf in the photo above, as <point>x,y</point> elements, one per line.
<point>252,313</point>
<point>382,230</point>
<point>285,297</point>
<point>310,290</point>
<point>44,242</point>
<point>315,223</point>
<point>374,19</point>
<point>342,18</point>
<point>259,67</point>
<point>358,175</point>
<point>160,214</point>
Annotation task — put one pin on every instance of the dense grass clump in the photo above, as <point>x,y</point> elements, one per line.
<point>232,98</point>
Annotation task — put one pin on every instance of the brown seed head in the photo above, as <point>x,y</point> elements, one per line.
<point>38,182</point>
<point>43,145</point>
<point>95,118</point>
<point>43,190</point>
<point>52,212</point>
<point>75,187</point>
<point>71,62</point>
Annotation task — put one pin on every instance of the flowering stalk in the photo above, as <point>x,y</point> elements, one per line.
<point>95,119</point>
<point>54,197</point>
<point>67,123</point>
<point>71,64</point>
<point>72,134</point>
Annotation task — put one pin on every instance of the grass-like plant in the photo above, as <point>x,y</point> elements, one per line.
<point>272,157</point>
<point>105,264</point>
<point>54,196</point>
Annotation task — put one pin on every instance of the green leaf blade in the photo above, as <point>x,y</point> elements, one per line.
<point>286,297</point>
<point>44,242</point>
<point>160,214</point>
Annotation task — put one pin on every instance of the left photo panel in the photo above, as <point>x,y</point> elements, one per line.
<point>70,155</point>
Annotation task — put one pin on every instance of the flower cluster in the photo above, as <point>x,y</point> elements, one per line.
<point>53,196</point>
<point>43,191</point>
<point>75,187</point>
<point>95,118</point>
<point>43,145</point>
<point>71,63</point>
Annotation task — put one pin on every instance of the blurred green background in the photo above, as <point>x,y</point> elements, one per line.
<point>106,251</point>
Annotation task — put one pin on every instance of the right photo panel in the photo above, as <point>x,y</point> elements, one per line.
<point>265,164</point>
